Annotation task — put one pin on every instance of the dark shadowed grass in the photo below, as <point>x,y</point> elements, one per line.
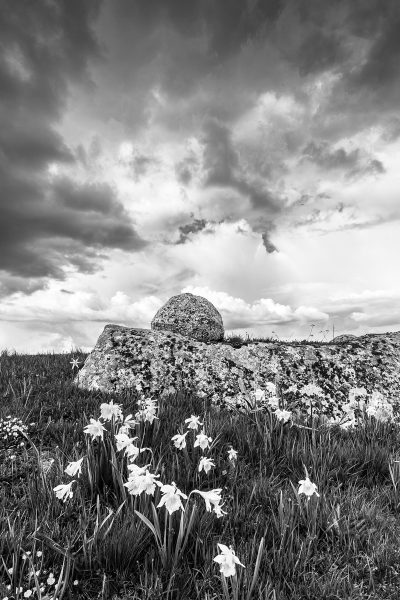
<point>343,544</point>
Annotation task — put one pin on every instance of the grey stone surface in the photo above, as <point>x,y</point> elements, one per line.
<point>163,362</point>
<point>345,337</point>
<point>190,315</point>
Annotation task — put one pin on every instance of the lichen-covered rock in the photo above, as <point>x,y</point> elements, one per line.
<point>163,362</point>
<point>192,316</point>
<point>345,337</point>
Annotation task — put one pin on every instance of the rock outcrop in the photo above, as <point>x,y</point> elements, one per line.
<point>192,316</point>
<point>163,362</point>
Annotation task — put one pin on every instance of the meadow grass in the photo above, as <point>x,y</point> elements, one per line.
<point>341,544</point>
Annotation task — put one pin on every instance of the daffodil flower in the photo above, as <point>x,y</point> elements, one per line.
<point>123,440</point>
<point>171,498</point>
<point>110,410</point>
<point>95,429</point>
<point>139,482</point>
<point>308,488</point>
<point>206,464</point>
<point>202,440</point>
<point>259,395</point>
<point>270,387</point>
<point>227,561</point>
<point>127,424</point>
<point>212,497</point>
<point>132,451</point>
<point>64,491</point>
<point>179,440</point>
<point>193,422</point>
<point>232,454</point>
<point>75,362</point>
<point>283,415</point>
<point>74,467</point>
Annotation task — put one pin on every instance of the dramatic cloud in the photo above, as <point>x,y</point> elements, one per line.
<point>48,223</point>
<point>248,149</point>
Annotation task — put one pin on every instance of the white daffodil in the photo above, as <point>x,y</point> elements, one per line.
<point>123,440</point>
<point>95,429</point>
<point>64,491</point>
<point>134,485</point>
<point>308,488</point>
<point>110,410</point>
<point>147,413</point>
<point>202,440</point>
<point>227,560</point>
<point>75,363</point>
<point>270,388</point>
<point>283,415</point>
<point>171,498</point>
<point>180,440</point>
<point>149,483</point>
<point>127,424</point>
<point>206,464</point>
<point>132,451</point>
<point>136,470</point>
<point>232,454</point>
<point>74,467</point>
<point>193,422</point>
<point>273,401</point>
<point>212,497</point>
<point>259,395</point>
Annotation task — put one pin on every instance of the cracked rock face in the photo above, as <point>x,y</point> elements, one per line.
<point>192,316</point>
<point>163,362</point>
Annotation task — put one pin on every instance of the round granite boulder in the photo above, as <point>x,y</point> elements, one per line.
<point>192,316</point>
<point>345,337</point>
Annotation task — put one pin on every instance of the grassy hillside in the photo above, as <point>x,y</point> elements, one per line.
<point>340,544</point>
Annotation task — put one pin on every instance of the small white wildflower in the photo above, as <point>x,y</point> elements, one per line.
<point>50,579</point>
<point>232,454</point>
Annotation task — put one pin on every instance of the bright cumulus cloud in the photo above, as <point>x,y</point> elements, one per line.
<point>247,155</point>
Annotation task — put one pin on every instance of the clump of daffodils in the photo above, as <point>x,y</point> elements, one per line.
<point>142,481</point>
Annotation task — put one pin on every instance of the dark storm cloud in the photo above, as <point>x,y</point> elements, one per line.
<point>222,168</point>
<point>46,225</point>
<point>268,245</point>
<point>194,227</point>
<point>353,162</point>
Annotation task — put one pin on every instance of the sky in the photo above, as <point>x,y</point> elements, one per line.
<point>246,151</point>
